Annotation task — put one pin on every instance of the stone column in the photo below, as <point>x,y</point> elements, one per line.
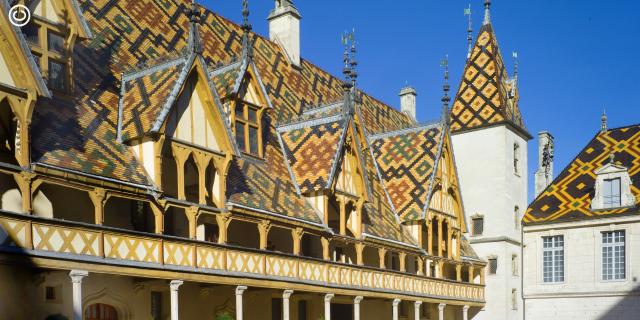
<point>327,306</point>
<point>416,308</point>
<point>356,307</point>
<point>441,311</point>
<point>239,291</point>
<point>174,285</point>
<point>395,304</point>
<point>285,304</point>
<point>465,313</point>
<point>76,280</point>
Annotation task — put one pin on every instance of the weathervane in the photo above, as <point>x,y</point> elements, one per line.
<point>350,63</point>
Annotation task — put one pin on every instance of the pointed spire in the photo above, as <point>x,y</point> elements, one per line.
<point>516,65</point>
<point>445,88</point>
<point>195,43</point>
<point>603,121</point>
<point>467,12</point>
<point>247,49</point>
<point>487,12</point>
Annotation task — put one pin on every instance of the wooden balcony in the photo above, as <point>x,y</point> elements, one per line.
<point>78,242</point>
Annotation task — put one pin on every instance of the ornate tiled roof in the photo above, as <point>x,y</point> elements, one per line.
<point>145,93</point>
<point>406,160</point>
<point>484,97</point>
<point>312,150</point>
<point>569,196</point>
<point>225,78</point>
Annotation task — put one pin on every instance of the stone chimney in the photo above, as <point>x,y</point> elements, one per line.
<point>544,174</point>
<point>284,28</point>
<point>408,101</point>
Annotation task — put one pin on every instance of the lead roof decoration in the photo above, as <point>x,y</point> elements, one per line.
<point>127,75</point>
<point>568,197</point>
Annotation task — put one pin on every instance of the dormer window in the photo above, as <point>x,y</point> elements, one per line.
<point>49,50</point>
<point>249,107</point>
<point>612,187</point>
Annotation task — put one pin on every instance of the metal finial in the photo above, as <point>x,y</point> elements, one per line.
<point>194,36</point>
<point>349,63</point>
<point>445,88</point>
<point>516,65</point>
<point>487,12</point>
<point>246,26</point>
<point>467,12</point>
<point>603,119</point>
<point>353,63</point>
<point>612,158</point>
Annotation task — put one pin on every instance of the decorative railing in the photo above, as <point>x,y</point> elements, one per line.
<point>77,241</point>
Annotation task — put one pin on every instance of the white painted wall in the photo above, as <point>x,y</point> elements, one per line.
<point>583,295</point>
<point>491,188</point>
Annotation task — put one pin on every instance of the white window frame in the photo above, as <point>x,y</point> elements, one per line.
<point>553,250</point>
<point>613,245</point>
<point>612,171</point>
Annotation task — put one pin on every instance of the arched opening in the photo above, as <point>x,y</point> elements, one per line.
<point>333,214</point>
<point>100,311</point>
<point>129,214</point>
<point>176,222</point>
<point>370,257</point>
<point>169,173</point>
<point>212,185</point>
<point>445,238</point>
<point>207,229</point>
<point>434,236</point>
<point>311,246</point>
<point>11,198</point>
<point>56,198</point>
<point>280,240</point>
<point>7,134</point>
<point>191,180</point>
<point>244,234</point>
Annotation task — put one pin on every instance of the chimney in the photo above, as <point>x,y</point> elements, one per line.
<point>544,174</point>
<point>408,101</point>
<point>284,28</point>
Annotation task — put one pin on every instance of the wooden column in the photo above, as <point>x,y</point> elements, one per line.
<point>202,163</point>
<point>325,248</point>
<point>439,236</point>
<point>359,251</point>
<point>192,217</point>
<point>382,252</point>
<point>157,148</point>
<point>296,235</point>
<point>472,276</point>
<point>263,228</point>
<point>23,180</point>
<point>449,237</point>
<point>98,196</point>
<point>180,155</point>
<point>359,207</point>
<point>430,237</point>
<point>459,272</point>
<point>420,270</point>
<point>343,216</point>
<point>403,261</point>
<point>223,220</point>
<point>482,275</point>
<point>458,244</point>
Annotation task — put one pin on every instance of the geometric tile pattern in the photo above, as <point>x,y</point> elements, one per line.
<point>310,152</point>
<point>406,162</point>
<point>569,196</point>
<point>483,97</point>
<point>144,97</point>
<point>225,78</point>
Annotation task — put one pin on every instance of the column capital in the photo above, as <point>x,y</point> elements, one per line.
<point>465,308</point>
<point>357,299</point>
<point>287,294</point>
<point>77,275</point>
<point>441,306</point>
<point>240,290</point>
<point>328,297</point>
<point>396,302</point>
<point>418,304</point>
<point>175,284</point>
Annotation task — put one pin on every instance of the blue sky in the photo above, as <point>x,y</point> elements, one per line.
<point>576,57</point>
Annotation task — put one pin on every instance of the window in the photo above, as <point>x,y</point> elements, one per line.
<point>613,255</point>
<point>248,119</point>
<point>514,299</point>
<point>478,226</point>
<point>553,259</point>
<point>156,305</point>
<point>493,265</point>
<point>514,265</point>
<point>516,217</point>
<point>611,193</point>
<point>48,47</point>
<point>516,158</point>
<point>302,310</point>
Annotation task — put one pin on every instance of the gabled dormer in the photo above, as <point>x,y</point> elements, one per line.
<point>612,187</point>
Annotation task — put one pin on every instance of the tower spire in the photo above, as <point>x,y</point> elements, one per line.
<point>467,12</point>
<point>487,12</point>
<point>603,121</point>
<point>246,28</point>
<point>445,88</point>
